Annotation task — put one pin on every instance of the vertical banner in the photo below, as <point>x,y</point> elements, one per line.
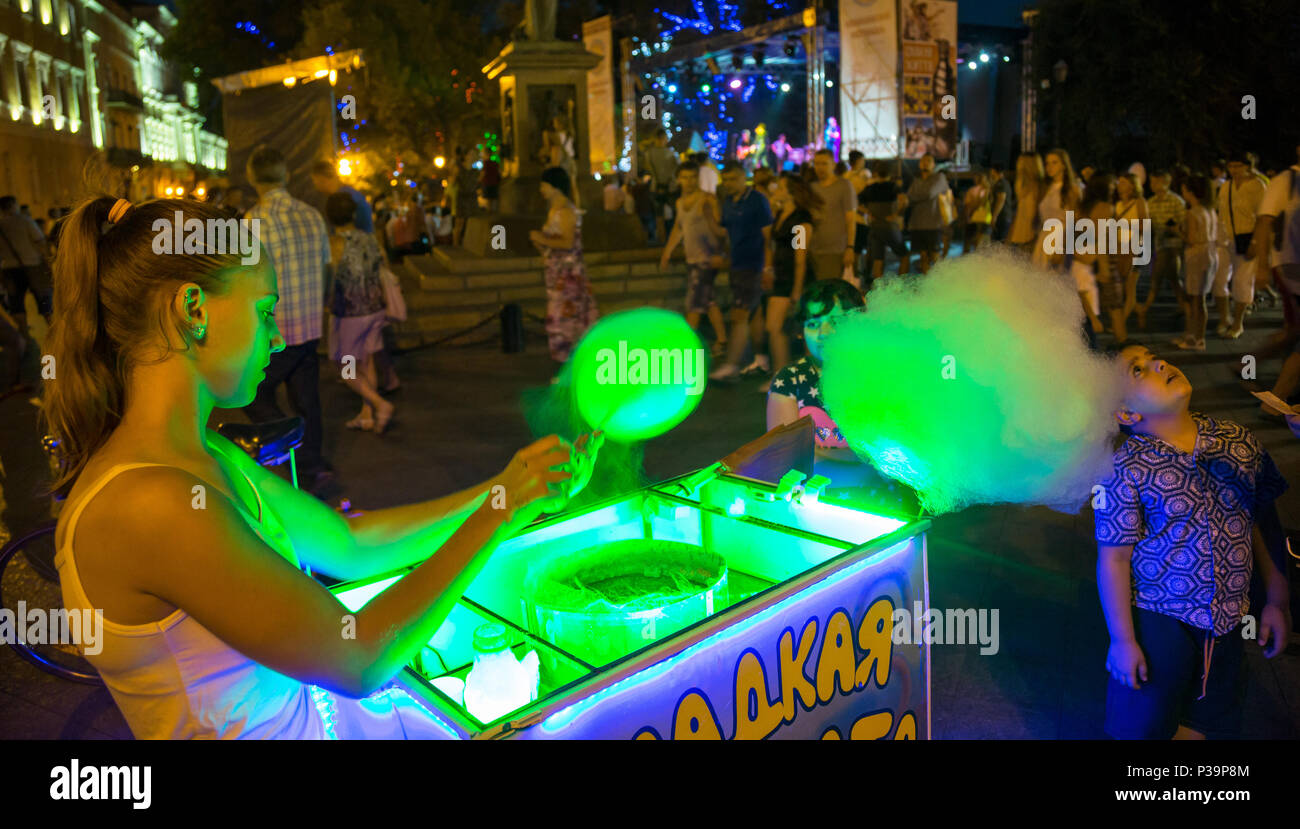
<point>598,37</point>
<point>929,79</point>
<point>869,77</point>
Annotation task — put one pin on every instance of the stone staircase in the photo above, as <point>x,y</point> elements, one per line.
<point>449,290</point>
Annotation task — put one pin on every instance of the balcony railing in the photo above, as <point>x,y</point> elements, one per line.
<point>123,98</point>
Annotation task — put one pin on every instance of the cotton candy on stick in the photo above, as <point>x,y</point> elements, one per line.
<point>973,385</point>
<point>637,374</point>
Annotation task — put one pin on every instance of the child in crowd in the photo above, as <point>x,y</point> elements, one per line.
<point>796,389</point>
<point>1176,535</point>
<point>1200,230</point>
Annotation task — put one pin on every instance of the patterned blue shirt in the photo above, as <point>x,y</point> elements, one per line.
<point>1189,518</point>
<point>294,235</point>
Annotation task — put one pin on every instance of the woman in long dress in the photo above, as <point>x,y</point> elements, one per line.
<point>570,305</point>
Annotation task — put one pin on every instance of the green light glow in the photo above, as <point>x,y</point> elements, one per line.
<point>975,386</point>
<point>637,374</point>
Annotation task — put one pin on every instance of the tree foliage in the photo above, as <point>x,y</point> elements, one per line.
<point>206,38</point>
<point>1162,81</point>
<point>423,89</point>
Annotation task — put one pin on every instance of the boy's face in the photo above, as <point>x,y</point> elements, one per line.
<point>1152,387</point>
<point>1159,184</point>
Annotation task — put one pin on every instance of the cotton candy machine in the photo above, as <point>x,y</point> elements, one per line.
<point>729,602</point>
<point>606,601</point>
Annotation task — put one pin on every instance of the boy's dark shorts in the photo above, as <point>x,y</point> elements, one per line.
<point>1175,653</point>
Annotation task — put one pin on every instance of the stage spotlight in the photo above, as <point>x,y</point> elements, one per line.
<point>791,46</point>
<point>984,57</point>
<point>758,57</point>
<point>785,87</point>
<point>971,65</point>
<point>1006,59</point>
<point>735,83</point>
<point>737,59</point>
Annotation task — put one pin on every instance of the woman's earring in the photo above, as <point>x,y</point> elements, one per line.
<point>199,331</point>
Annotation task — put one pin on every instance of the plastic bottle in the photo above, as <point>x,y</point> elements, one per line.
<point>499,682</point>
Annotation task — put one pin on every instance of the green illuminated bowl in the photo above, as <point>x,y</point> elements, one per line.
<point>603,603</point>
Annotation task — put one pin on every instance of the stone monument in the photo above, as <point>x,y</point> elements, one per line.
<point>541,78</point>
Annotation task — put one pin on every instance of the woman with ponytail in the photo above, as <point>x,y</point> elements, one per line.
<point>192,552</point>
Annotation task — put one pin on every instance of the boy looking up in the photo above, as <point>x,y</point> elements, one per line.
<point>1176,538</point>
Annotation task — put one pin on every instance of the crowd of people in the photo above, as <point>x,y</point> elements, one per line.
<point>853,219</point>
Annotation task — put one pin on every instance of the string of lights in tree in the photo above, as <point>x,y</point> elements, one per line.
<point>249,27</point>
<point>709,18</point>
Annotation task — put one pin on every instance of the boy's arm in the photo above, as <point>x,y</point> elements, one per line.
<point>1124,659</point>
<point>1275,618</point>
<point>1115,586</point>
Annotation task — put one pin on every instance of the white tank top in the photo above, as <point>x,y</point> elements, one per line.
<point>173,679</point>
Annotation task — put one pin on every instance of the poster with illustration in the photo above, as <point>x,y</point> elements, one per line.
<point>929,36</point>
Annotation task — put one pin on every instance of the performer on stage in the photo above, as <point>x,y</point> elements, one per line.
<point>780,151</point>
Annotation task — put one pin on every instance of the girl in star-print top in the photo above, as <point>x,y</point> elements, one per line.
<point>796,389</point>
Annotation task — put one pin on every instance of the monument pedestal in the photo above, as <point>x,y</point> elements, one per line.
<point>541,79</point>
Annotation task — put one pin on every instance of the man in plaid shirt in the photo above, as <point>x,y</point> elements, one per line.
<point>294,235</point>
<point>1166,210</point>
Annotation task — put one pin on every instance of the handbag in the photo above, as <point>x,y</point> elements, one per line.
<point>947,210</point>
<point>395,303</point>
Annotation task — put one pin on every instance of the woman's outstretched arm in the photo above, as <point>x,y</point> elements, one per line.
<point>216,569</point>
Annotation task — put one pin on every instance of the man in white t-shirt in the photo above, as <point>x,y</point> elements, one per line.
<point>1238,203</point>
<point>1280,202</point>
<point>1278,215</point>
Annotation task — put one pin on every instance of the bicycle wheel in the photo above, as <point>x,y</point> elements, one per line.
<point>29,582</point>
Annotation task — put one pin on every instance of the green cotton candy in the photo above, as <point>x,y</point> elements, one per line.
<point>974,385</point>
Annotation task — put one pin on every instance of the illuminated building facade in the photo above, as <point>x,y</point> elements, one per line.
<point>79,76</point>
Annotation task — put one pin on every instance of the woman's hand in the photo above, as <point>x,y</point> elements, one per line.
<point>769,278</point>
<point>583,461</point>
<point>530,479</point>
